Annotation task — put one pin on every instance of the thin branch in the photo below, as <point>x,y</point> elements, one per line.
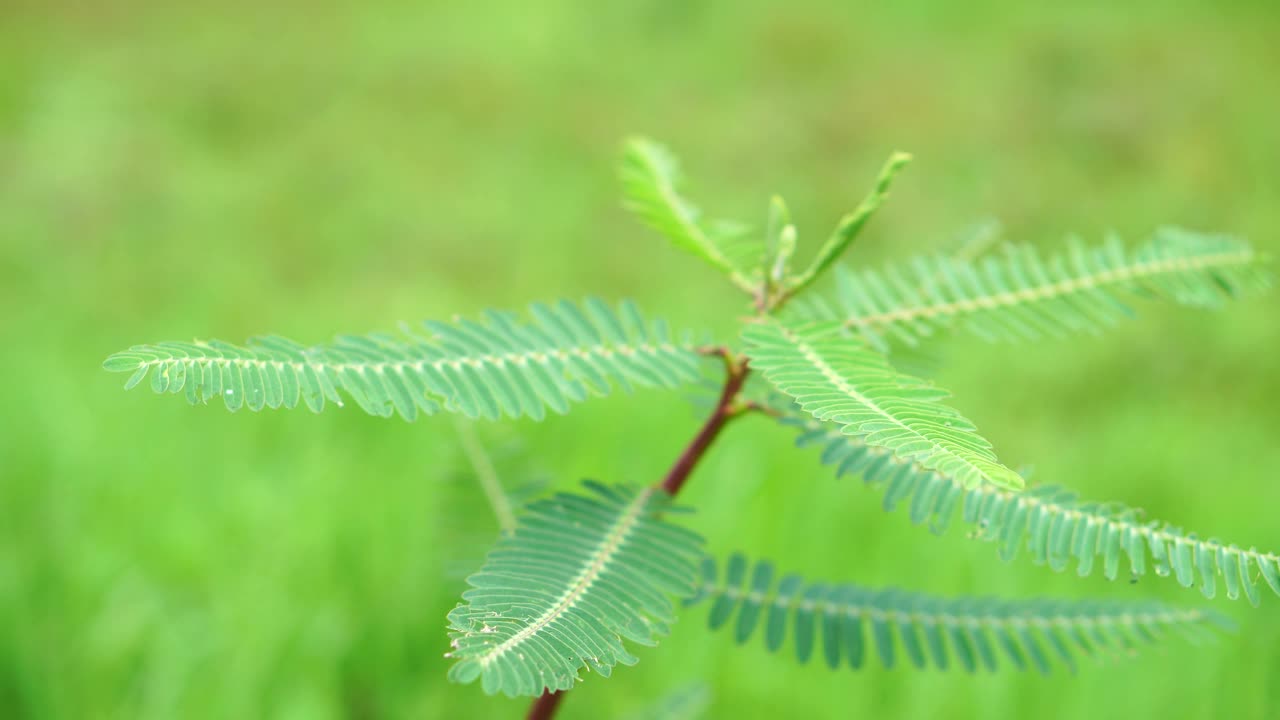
<point>755,406</point>
<point>487,476</point>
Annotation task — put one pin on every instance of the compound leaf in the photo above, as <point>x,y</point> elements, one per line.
<point>651,181</point>
<point>500,366</point>
<point>1049,522</point>
<point>844,619</point>
<point>581,573</point>
<point>1020,296</point>
<point>841,379</point>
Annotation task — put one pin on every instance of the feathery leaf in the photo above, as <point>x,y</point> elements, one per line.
<point>842,379</point>
<point>651,181</point>
<point>1021,297</point>
<point>581,573</point>
<point>1051,522</point>
<point>849,622</point>
<point>498,367</point>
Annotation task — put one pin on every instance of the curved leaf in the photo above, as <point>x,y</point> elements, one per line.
<point>851,225</point>
<point>1050,522</point>
<point>842,379</point>
<point>580,573</point>
<point>651,182</point>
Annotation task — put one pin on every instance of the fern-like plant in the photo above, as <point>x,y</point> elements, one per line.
<point>584,576</point>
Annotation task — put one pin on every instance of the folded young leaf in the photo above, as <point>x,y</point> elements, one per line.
<point>1050,522</point>
<point>849,622</point>
<point>850,225</point>
<point>1021,297</point>
<point>841,379</point>
<point>497,367</point>
<point>581,573</point>
<point>651,182</point>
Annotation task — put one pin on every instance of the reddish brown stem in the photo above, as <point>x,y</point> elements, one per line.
<point>688,459</point>
<point>546,705</point>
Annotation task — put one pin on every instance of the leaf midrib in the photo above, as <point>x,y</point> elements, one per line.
<point>581,584</point>
<point>1028,618</point>
<point>672,200</point>
<point>519,359</point>
<point>1051,290</point>
<point>815,358</point>
<point>1032,502</point>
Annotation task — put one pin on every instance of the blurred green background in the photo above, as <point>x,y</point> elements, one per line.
<point>301,168</point>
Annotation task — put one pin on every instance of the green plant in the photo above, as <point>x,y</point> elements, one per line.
<point>583,572</point>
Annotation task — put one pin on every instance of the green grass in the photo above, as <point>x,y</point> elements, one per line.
<point>169,173</point>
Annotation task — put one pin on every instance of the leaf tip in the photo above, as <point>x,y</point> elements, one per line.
<point>121,362</point>
<point>1008,479</point>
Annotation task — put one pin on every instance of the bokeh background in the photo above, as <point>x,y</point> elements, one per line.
<point>170,171</point>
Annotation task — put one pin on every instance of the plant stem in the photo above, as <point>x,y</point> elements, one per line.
<point>736,374</point>
<point>724,411</point>
<point>545,706</point>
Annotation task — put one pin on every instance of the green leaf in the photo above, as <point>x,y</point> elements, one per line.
<point>651,181</point>
<point>498,367</point>
<point>1043,519</point>
<point>850,225</point>
<point>581,573</point>
<point>963,627</point>
<point>842,379</point>
<point>1020,296</point>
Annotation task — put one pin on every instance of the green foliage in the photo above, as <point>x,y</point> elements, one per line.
<point>498,367</point>
<point>850,225</point>
<point>578,574</point>
<point>1049,521</point>
<point>837,618</point>
<point>651,181</point>
<point>841,379</point>
<point>581,573</point>
<point>171,169</point>
<point>1021,296</point>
